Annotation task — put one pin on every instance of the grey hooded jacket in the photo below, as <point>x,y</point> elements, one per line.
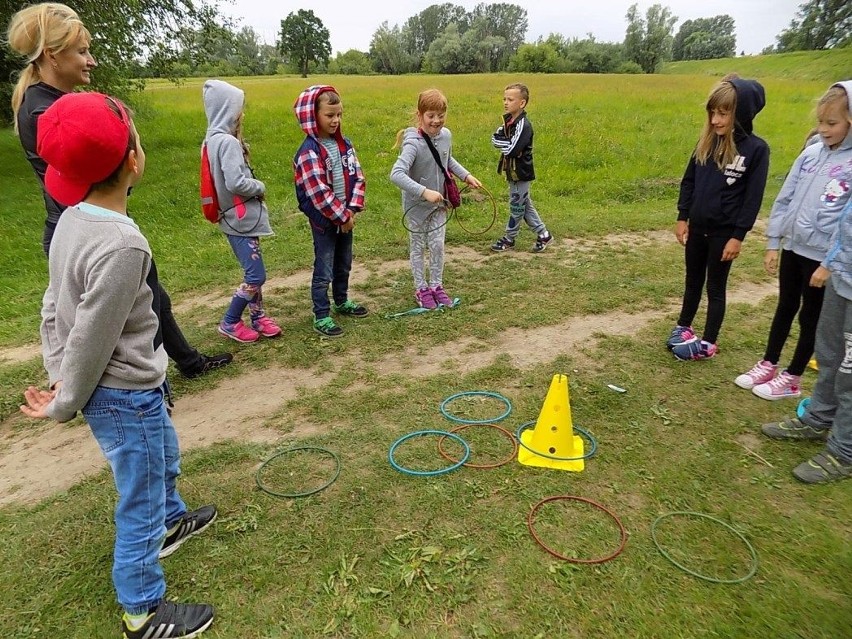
<point>243,211</point>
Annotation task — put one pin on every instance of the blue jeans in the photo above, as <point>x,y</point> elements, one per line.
<point>249,293</point>
<point>332,264</point>
<point>139,441</point>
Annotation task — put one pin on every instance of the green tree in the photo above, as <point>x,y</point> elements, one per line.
<point>501,20</point>
<point>304,39</point>
<point>451,52</point>
<point>421,30</point>
<point>648,40</point>
<point>819,24</point>
<point>353,62</point>
<point>705,39</point>
<point>388,51</point>
<point>123,33</point>
<point>536,58</point>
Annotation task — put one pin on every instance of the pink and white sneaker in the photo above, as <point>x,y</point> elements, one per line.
<point>425,298</point>
<point>762,372</point>
<point>266,326</point>
<point>239,332</point>
<point>782,387</point>
<point>441,297</point>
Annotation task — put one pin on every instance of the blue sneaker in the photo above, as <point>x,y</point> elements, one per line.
<point>680,335</point>
<point>696,349</point>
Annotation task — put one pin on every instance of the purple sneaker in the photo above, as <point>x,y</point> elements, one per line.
<point>425,298</point>
<point>680,335</point>
<point>441,297</point>
<point>239,332</point>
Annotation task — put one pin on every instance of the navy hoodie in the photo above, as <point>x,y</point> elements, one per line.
<point>725,202</point>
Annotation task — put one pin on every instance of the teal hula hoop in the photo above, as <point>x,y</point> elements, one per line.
<point>593,444</point>
<point>461,420</point>
<point>428,473</point>
<point>754,561</point>
<point>274,493</point>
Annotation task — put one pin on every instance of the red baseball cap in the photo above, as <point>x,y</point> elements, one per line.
<point>83,140</point>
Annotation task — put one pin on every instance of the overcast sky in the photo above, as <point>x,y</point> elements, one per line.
<point>352,23</point>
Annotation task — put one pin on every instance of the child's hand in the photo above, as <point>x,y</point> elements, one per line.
<point>348,225</point>
<point>682,232</point>
<point>433,196</point>
<point>770,261</point>
<point>473,182</point>
<point>37,402</point>
<point>820,277</point>
<point>731,250</point>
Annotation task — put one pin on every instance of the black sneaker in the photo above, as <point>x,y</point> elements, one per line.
<point>503,244</point>
<point>191,524</point>
<point>351,308</point>
<point>542,241</point>
<point>171,619</point>
<point>209,363</point>
<point>326,326</point>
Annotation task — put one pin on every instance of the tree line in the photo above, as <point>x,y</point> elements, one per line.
<point>182,38</point>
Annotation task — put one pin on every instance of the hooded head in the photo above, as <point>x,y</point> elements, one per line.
<point>223,105</point>
<point>751,99</point>
<point>305,108</point>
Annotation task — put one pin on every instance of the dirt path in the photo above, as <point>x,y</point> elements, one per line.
<point>40,461</point>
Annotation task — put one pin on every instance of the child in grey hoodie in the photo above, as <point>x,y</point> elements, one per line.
<point>802,223</point>
<point>421,180</point>
<point>243,217</point>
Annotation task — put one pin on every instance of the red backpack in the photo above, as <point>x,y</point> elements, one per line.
<point>209,199</point>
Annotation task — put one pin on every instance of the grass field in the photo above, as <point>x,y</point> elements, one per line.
<point>382,554</point>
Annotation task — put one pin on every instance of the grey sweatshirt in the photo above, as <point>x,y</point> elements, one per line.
<point>98,324</point>
<point>805,214</point>
<point>243,212</point>
<point>415,170</point>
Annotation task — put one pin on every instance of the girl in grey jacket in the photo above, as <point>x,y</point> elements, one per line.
<point>802,223</point>
<point>243,216</point>
<point>421,181</point>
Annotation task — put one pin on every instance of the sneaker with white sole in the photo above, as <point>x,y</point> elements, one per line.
<point>425,298</point>
<point>239,332</point>
<point>696,349</point>
<point>191,524</point>
<point>782,387</point>
<point>542,241</point>
<point>762,372</point>
<point>266,326</point>
<point>441,297</point>
<point>171,620</point>
<point>680,335</point>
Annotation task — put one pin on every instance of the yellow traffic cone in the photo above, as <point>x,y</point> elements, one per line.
<point>553,435</point>
<point>813,364</point>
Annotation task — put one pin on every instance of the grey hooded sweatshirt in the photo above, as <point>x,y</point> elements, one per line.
<point>243,212</point>
<point>415,170</point>
<point>808,207</point>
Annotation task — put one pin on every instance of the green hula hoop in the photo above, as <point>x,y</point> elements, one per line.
<point>593,443</point>
<point>493,420</point>
<point>306,493</point>
<point>754,561</point>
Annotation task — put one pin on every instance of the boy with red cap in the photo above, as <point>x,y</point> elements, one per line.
<point>104,354</point>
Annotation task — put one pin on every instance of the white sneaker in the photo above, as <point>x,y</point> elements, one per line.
<point>783,386</point>
<point>762,372</point>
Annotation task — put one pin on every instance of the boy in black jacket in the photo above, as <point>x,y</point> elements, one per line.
<point>515,141</point>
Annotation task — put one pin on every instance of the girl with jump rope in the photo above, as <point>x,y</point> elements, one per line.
<point>244,217</point>
<point>420,172</point>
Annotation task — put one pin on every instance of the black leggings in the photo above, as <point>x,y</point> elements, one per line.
<point>795,293</point>
<point>703,256</point>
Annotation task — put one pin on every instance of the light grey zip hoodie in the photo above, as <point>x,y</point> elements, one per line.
<point>805,214</point>
<point>415,170</point>
<point>243,212</point>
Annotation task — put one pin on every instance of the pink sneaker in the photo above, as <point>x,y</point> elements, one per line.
<point>441,296</point>
<point>425,298</point>
<point>783,386</point>
<point>266,327</point>
<point>239,332</point>
<point>762,372</point>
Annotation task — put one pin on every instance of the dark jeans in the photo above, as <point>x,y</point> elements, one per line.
<point>703,256</point>
<point>188,359</point>
<point>795,291</point>
<point>332,264</point>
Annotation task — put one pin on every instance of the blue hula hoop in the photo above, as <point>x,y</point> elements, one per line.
<point>461,420</point>
<point>592,441</point>
<point>429,473</point>
<point>802,408</point>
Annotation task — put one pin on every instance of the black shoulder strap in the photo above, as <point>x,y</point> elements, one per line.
<point>434,151</point>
